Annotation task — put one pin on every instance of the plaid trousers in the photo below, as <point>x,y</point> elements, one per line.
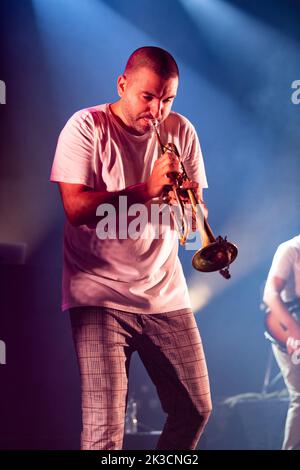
<point>170,348</point>
<point>291,375</point>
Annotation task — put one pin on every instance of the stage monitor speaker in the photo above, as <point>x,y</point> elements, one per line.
<point>247,422</point>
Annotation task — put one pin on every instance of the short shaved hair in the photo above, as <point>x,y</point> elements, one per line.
<point>154,58</point>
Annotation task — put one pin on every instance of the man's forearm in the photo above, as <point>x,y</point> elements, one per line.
<point>82,210</point>
<point>278,308</point>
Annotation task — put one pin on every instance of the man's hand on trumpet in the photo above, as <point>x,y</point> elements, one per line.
<point>164,174</point>
<point>164,178</point>
<point>170,198</point>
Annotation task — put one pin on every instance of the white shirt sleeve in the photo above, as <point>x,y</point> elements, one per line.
<point>283,262</point>
<point>74,156</point>
<point>193,159</point>
<point>282,267</point>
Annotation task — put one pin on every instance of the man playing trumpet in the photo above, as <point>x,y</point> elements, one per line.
<point>127,295</point>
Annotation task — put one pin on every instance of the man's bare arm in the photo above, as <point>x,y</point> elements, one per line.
<point>274,302</point>
<point>80,202</point>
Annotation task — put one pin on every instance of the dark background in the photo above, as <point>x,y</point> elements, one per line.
<point>238,60</point>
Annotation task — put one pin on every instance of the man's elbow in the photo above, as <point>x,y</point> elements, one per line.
<point>266,299</point>
<point>74,217</point>
<point>270,296</point>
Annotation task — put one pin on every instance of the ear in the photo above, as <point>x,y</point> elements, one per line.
<point>122,82</point>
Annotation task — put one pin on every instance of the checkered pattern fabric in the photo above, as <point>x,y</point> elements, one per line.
<point>170,348</point>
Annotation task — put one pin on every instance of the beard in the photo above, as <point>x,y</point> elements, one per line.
<point>139,123</point>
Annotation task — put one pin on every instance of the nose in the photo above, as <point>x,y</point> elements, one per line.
<point>156,109</point>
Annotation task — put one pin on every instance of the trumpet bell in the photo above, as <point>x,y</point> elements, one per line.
<point>215,256</point>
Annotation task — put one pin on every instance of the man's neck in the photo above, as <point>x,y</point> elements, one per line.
<point>116,110</point>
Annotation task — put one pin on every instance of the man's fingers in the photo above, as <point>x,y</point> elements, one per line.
<point>292,344</point>
<point>190,185</point>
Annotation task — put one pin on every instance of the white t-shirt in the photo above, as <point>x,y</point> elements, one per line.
<point>286,265</point>
<point>142,275</point>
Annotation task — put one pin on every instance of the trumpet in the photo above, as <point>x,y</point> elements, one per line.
<point>216,253</point>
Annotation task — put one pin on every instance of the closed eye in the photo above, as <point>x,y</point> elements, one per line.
<point>150,98</point>
<point>147,97</point>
